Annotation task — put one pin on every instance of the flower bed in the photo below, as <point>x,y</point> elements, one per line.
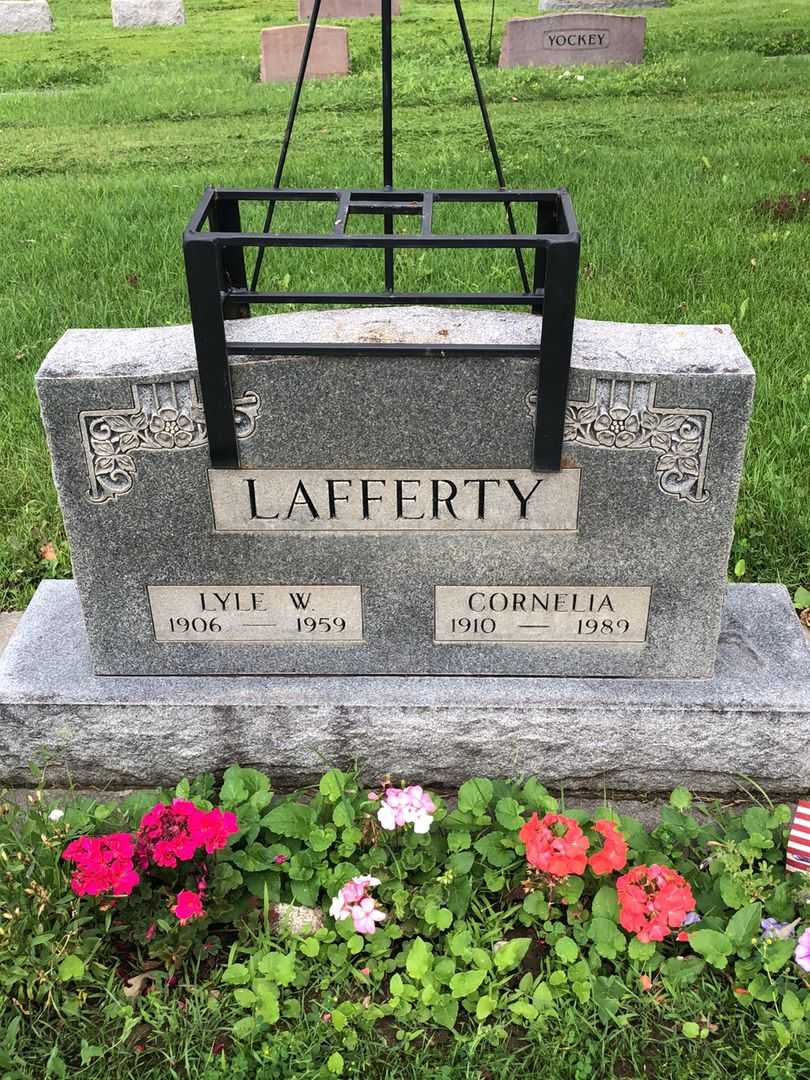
<point>491,917</point>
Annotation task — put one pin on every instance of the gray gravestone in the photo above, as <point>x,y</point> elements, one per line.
<point>573,39</point>
<point>25,17</point>
<point>135,13</point>
<point>599,5</point>
<point>393,524</point>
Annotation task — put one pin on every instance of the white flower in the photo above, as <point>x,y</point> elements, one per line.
<point>56,815</point>
<point>580,78</point>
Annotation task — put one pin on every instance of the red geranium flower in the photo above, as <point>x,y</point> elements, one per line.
<point>103,865</point>
<point>613,855</point>
<point>556,845</point>
<point>652,901</point>
<point>188,906</point>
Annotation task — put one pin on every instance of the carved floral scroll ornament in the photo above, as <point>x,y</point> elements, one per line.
<point>622,415</point>
<point>164,416</point>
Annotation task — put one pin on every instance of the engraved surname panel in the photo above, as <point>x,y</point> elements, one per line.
<point>394,500</point>
<point>321,614</point>
<point>585,614</point>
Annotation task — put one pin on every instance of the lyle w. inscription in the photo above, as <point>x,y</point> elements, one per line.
<point>321,614</point>
<point>394,500</point>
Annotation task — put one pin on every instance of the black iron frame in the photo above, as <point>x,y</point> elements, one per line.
<point>214,249</point>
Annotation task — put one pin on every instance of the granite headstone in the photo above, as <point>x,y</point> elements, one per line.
<point>393,524</point>
<point>346,9</point>
<point>134,13</point>
<point>282,48</point>
<point>25,17</point>
<point>573,39</point>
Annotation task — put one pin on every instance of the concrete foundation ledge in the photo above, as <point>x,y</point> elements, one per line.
<point>751,719</point>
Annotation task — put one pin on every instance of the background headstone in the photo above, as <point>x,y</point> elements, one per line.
<point>599,5</point>
<point>573,39</point>
<point>25,17</point>
<point>282,47</point>
<point>129,13</point>
<point>345,9</point>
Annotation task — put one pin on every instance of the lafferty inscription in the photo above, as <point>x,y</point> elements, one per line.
<point>577,39</point>
<point>394,500</point>
<point>321,614</point>
<point>588,614</point>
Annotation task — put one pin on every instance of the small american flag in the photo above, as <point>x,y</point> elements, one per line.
<point>798,845</point>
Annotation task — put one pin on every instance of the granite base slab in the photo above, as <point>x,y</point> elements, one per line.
<point>752,719</point>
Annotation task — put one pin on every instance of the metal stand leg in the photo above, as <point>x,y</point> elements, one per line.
<point>388,134</point>
<point>285,144</point>
<point>562,264</point>
<point>225,217</point>
<point>205,297</point>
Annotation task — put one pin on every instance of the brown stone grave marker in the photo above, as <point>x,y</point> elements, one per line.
<point>282,47</point>
<point>579,38</point>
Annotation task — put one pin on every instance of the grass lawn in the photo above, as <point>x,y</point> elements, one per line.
<point>107,139</point>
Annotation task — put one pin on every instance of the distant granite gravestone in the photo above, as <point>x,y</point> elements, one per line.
<point>283,46</point>
<point>573,39</point>
<point>599,5</point>
<point>395,525</point>
<point>134,13</point>
<point>346,9</point>
<point>25,17</point>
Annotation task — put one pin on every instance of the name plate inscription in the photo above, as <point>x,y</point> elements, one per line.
<point>578,39</point>
<point>320,614</point>
<point>394,500</point>
<point>589,614</point>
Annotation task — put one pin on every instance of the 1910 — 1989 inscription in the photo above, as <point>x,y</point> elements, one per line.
<point>394,500</point>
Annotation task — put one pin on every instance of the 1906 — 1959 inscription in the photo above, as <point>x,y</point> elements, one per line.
<point>394,500</point>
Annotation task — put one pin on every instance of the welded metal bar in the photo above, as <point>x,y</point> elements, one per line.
<point>342,213</point>
<point>562,262</point>
<point>285,144</point>
<point>205,286</point>
<point>547,222</point>
<point>379,240</point>
<point>493,146</point>
<point>360,299</point>
<point>387,133</point>
<point>224,217</point>
<point>491,29</point>
<point>427,214</point>
<point>470,195</point>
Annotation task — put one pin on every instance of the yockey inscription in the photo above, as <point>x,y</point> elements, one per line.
<point>577,39</point>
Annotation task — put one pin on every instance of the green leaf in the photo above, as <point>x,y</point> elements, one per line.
<point>334,1063</point>
<point>690,1029</point>
<point>239,785</point>
<point>236,974</point>
<point>290,819</point>
<point>801,598</point>
<point>333,784</point>
<point>466,982</point>
<point>524,1009</point>
<point>278,966</point>
<point>458,840</point>
<point>508,814</point>
<point>244,1028</point>
<point>255,858</point>
<point>778,953</point>
<point>536,904</point>
<point>792,1007</point>
<point>713,946</point>
<point>682,970</point>
<point>605,903</point>
<point>461,863</point>
<point>509,955</point>
<point>321,839</point>
<point>484,1007</point>
<point>744,925</point>
<point>607,937</point>
<point>72,967</point>
<point>419,960</point>
<point>445,1012</point>
<point>490,845</point>
<point>343,814</point>
<point>640,950</point>
<point>244,997</point>
<point>567,949</point>
<point>537,797</point>
<point>474,796</point>
<point>267,1008</point>
<point>680,798</point>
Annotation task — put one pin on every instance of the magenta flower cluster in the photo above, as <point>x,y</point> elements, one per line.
<point>114,864</point>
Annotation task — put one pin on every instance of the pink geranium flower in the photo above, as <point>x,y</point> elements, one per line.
<point>103,865</point>
<point>802,951</point>
<point>353,901</point>
<point>406,806</point>
<point>188,906</point>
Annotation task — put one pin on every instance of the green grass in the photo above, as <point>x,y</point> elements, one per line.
<point>107,139</point>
